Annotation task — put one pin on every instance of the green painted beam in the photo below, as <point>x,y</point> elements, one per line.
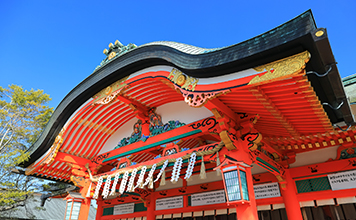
<point>153,145</point>
<point>267,168</point>
<point>268,165</point>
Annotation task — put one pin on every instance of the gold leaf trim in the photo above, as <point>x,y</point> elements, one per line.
<point>106,95</point>
<point>183,81</point>
<point>283,67</point>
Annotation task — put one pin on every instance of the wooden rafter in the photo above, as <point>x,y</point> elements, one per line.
<point>140,109</point>
<point>220,106</point>
<point>312,142</point>
<point>68,158</point>
<point>268,104</point>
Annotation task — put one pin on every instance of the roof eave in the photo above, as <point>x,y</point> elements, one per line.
<point>298,37</point>
<point>329,88</point>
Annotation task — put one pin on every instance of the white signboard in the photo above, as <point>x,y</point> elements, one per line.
<point>124,209</point>
<point>208,198</point>
<point>343,180</point>
<point>268,190</point>
<point>169,203</point>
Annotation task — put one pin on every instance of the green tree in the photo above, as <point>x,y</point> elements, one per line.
<point>23,115</point>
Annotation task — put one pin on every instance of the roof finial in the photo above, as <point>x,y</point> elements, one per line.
<point>115,50</point>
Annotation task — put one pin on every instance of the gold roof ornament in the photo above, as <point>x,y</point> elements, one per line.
<point>115,50</point>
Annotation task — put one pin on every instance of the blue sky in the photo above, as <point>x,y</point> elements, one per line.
<point>54,45</point>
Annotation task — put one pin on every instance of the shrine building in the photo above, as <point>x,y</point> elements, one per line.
<point>262,129</point>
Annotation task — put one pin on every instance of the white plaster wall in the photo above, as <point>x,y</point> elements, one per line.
<point>202,81</point>
<point>151,69</point>
<point>113,140</point>
<point>210,177</point>
<point>226,78</point>
<point>195,180</point>
<point>316,156</point>
<point>306,158</point>
<point>172,111</point>
<point>257,169</point>
<point>170,185</point>
<point>182,112</point>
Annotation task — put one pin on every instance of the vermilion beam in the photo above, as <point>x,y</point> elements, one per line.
<point>63,157</point>
<point>191,130</point>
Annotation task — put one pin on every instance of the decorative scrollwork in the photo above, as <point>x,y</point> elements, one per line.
<point>252,140</point>
<point>206,122</point>
<point>108,94</point>
<point>347,153</point>
<point>198,100</point>
<point>135,136</point>
<point>100,158</point>
<point>242,115</point>
<point>183,81</point>
<point>159,129</point>
<point>283,67</point>
<point>170,152</point>
<point>78,181</point>
<point>156,125</point>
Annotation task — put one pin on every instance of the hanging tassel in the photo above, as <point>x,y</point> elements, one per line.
<point>88,193</point>
<point>202,169</point>
<point>163,179</point>
<point>141,186</point>
<point>150,185</point>
<point>189,179</point>
<point>218,171</point>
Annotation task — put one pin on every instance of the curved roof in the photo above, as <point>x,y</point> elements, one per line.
<point>185,48</point>
<point>290,38</point>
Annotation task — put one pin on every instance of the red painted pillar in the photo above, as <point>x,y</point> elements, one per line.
<point>248,211</point>
<point>145,127</point>
<point>185,198</point>
<point>85,206</point>
<point>151,206</point>
<point>99,210</point>
<point>289,194</point>
<point>84,209</point>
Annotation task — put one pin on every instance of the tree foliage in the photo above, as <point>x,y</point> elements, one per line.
<point>23,115</point>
